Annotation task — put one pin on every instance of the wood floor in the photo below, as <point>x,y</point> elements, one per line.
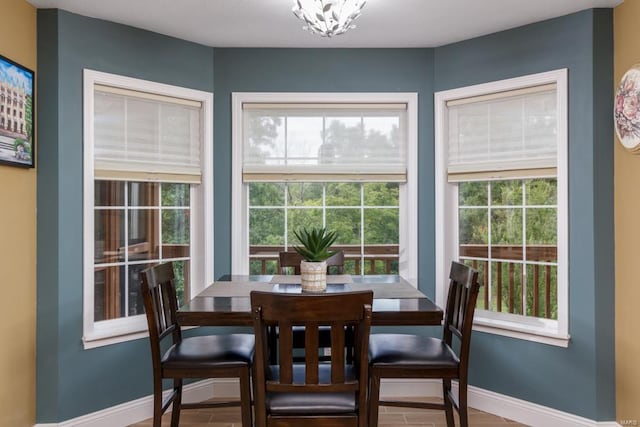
<point>389,417</point>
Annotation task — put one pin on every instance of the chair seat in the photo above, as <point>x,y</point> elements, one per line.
<point>311,403</point>
<point>210,351</point>
<point>406,351</point>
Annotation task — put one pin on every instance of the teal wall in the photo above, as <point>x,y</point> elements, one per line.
<point>72,382</point>
<point>321,70</point>
<point>581,378</point>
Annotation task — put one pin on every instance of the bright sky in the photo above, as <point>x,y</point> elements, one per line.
<point>15,76</point>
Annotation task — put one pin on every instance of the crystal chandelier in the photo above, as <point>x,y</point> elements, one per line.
<point>328,17</point>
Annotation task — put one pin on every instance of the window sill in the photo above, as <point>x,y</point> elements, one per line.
<point>521,331</point>
<point>90,342</point>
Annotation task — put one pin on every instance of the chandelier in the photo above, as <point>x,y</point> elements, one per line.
<point>328,18</point>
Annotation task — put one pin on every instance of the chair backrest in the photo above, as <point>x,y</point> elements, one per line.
<point>461,304</point>
<point>339,310</point>
<point>160,305</point>
<point>291,259</point>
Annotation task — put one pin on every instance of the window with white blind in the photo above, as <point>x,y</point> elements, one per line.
<point>147,197</point>
<point>345,161</point>
<point>501,201</point>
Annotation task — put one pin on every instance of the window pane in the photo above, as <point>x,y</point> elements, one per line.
<point>346,223</point>
<point>305,194</point>
<point>175,195</point>
<point>506,193</point>
<point>542,238</point>
<point>109,235</point>
<point>381,227</point>
<point>542,291</point>
<point>506,226</point>
<point>474,227</point>
<point>302,218</point>
<point>175,226</point>
<point>134,296</point>
<point>483,278</point>
<point>108,286</point>
<point>266,194</point>
<point>266,226</point>
<point>542,191</point>
<point>143,193</point>
<point>472,194</point>
<point>506,233</point>
<point>182,280</point>
<point>506,287</point>
<point>108,193</point>
<point>343,194</point>
<point>144,234</point>
<point>382,194</point>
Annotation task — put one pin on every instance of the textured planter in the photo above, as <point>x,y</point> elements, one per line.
<point>313,276</point>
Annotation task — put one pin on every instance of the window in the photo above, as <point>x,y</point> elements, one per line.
<point>147,197</point>
<point>501,201</point>
<point>342,161</point>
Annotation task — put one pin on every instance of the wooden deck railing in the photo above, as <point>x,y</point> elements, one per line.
<point>508,276</point>
<point>542,282</point>
<point>378,259</point>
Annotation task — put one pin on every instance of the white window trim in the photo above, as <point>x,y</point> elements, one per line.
<point>446,218</point>
<point>408,264</point>
<point>96,334</point>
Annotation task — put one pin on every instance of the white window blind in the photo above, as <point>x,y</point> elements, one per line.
<point>146,137</point>
<point>503,134</point>
<point>324,142</point>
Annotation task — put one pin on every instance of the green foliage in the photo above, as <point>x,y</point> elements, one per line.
<point>508,208</point>
<point>315,243</point>
<point>28,115</point>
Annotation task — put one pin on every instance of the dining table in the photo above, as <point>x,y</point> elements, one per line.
<point>226,302</point>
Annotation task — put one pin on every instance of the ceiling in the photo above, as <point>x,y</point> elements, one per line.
<point>270,23</point>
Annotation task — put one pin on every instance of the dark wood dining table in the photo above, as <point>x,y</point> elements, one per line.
<point>396,302</point>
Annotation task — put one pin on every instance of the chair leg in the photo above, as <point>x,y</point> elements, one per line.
<point>245,397</point>
<point>177,401</point>
<point>157,402</point>
<point>374,397</point>
<point>448,407</point>
<point>462,404</point>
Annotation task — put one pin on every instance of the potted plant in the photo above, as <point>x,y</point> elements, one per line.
<point>314,249</point>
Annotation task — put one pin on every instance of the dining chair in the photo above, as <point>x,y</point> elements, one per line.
<point>290,264</point>
<point>422,357</point>
<point>311,393</point>
<point>212,356</point>
<point>291,260</point>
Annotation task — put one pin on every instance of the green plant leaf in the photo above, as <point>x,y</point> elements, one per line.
<point>315,243</point>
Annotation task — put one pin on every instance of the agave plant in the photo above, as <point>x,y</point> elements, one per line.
<point>315,243</point>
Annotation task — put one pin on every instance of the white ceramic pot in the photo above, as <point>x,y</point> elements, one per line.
<point>313,276</point>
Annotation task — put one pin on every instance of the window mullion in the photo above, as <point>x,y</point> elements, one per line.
<point>362,246</point>
<point>489,251</point>
<point>523,276</point>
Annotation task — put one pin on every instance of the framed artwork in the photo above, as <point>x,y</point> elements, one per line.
<point>626,111</point>
<point>17,124</point>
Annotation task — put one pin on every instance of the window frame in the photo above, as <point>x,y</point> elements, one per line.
<point>408,219</point>
<point>554,332</point>
<point>96,334</point>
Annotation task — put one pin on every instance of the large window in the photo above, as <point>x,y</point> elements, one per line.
<point>501,201</point>
<point>147,197</point>
<point>343,161</point>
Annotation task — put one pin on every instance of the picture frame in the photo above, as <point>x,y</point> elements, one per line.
<point>17,114</point>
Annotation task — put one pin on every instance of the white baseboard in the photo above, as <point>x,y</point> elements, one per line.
<point>142,409</point>
<point>494,403</point>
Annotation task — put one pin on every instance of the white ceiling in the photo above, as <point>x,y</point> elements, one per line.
<point>270,23</point>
